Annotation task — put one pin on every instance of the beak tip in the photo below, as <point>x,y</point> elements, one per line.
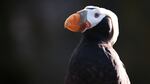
<point>66,24</point>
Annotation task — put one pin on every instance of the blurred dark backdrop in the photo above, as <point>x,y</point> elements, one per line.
<point>35,47</point>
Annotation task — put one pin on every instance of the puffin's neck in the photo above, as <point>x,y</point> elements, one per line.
<point>96,41</point>
<point>84,42</point>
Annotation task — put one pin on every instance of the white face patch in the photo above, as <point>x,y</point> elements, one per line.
<point>96,14</point>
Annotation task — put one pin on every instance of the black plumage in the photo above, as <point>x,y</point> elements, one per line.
<point>93,60</point>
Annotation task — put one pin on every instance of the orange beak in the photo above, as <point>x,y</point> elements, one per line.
<point>74,23</point>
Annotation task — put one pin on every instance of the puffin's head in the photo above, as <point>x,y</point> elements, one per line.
<point>91,17</point>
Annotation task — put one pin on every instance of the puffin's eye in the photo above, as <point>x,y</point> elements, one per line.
<point>96,15</point>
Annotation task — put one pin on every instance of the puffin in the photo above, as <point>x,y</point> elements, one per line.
<point>94,60</point>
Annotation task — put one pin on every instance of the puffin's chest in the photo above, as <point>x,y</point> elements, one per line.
<point>92,55</point>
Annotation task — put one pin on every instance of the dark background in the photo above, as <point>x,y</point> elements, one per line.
<point>35,47</point>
